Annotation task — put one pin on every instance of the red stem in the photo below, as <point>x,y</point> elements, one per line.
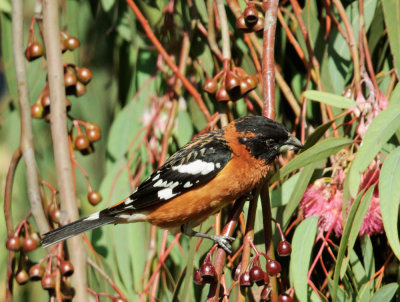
<point>192,90</point>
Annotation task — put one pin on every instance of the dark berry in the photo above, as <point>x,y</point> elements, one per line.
<point>66,268</point>
<point>94,197</point>
<point>256,274</point>
<point>48,282</point>
<point>236,273</point>
<point>72,43</point>
<point>29,244</point>
<point>84,75</point>
<point>207,272</point>
<point>81,142</point>
<point>284,248</point>
<point>13,243</point>
<point>210,86</point>
<point>245,279</point>
<point>285,298</point>
<point>36,272</point>
<point>22,277</point>
<point>37,110</point>
<point>273,267</point>
<point>197,278</point>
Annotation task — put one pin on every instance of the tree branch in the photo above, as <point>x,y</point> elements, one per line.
<point>26,140</point>
<point>58,123</point>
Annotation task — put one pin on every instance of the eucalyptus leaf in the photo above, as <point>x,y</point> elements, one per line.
<point>389,198</point>
<point>302,245</point>
<point>330,99</point>
<point>379,132</point>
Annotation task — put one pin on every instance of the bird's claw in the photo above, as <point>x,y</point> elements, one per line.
<point>224,242</point>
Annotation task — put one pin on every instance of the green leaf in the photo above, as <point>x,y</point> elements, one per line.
<point>107,4</point>
<point>386,293</point>
<point>126,129</point>
<point>389,198</point>
<point>391,12</point>
<point>317,152</point>
<point>281,195</point>
<point>5,6</point>
<point>317,134</point>
<point>359,218</point>
<point>302,244</point>
<point>184,131</point>
<point>297,193</point>
<point>330,99</point>
<point>344,244</point>
<point>379,132</point>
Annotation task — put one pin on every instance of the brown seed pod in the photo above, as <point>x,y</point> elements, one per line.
<point>94,197</point>
<point>22,277</point>
<point>259,26</point>
<point>80,89</point>
<point>70,79</point>
<point>45,100</point>
<point>37,110</point>
<point>207,272</point>
<point>36,272</point>
<point>241,24</point>
<point>232,81</point>
<point>13,243</point>
<point>250,15</point>
<point>84,75</point>
<point>48,282</point>
<point>210,86</point>
<point>72,43</point>
<point>81,142</point>
<point>66,268</point>
<point>93,134</point>
<point>29,244</point>
<point>222,95</point>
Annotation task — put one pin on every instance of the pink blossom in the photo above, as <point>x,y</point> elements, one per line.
<point>325,198</point>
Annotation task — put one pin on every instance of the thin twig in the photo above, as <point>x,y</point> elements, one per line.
<point>191,89</point>
<point>268,59</point>
<point>26,140</point>
<point>58,123</point>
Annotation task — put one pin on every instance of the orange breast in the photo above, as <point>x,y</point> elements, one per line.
<point>239,176</point>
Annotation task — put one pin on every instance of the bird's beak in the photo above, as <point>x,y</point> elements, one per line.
<point>292,143</point>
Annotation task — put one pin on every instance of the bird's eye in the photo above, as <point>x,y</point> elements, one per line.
<point>270,142</point>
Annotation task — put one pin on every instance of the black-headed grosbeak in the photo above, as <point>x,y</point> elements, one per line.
<point>211,171</point>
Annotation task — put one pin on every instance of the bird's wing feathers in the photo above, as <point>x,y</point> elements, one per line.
<point>193,165</point>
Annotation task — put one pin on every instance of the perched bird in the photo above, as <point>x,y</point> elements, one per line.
<point>208,173</point>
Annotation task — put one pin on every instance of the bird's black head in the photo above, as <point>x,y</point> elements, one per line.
<point>265,138</point>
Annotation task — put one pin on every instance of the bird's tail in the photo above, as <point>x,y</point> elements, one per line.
<point>77,227</point>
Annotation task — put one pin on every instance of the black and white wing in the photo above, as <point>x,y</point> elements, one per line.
<point>193,165</point>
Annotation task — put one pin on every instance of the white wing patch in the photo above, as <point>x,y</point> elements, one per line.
<point>196,167</point>
<point>166,194</point>
<point>94,216</point>
<point>187,184</point>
